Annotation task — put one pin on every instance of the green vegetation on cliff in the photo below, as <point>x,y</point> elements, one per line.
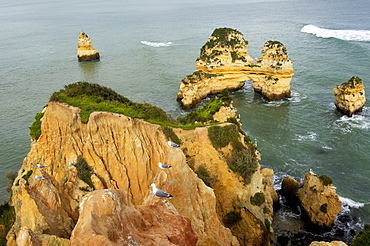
<point>362,238</point>
<point>222,38</point>
<point>35,128</point>
<point>93,97</point>
<point>7,218</point>
<point>352,82</point>
<point>205,114</point>
<point>243,159</point>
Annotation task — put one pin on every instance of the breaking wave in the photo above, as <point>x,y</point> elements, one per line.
<point>156,44</point>
<point>348,35</point>
<point>347,202</point>
<point>357,121</point>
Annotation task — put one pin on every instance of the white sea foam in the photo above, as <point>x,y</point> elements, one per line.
<point>311,136</point>
<point>348,35</point>
<point>355,122</point>
<point>156,44</point>
<point>348,203</point>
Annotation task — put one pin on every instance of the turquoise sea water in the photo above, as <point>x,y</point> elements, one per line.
<point>147,47</point>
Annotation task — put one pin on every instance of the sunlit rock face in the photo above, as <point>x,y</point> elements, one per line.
<point>224,64</point>
<point>85,51</point>
<point>350,96</point>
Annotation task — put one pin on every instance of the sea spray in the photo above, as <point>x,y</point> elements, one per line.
<point>156,44</point>
<point>348,35</point>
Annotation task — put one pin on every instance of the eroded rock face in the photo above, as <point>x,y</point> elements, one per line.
<point>123,154</point>
<point>249,222</point>
<point>334,243</point>
<point>108,218</point>
<point>224,64</point>
<point>350,96</point>
<point>319,199</point>
<point>278,70</point>
<point>85,51</point>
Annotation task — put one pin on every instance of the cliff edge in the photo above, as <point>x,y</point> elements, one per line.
<point>112,158</point>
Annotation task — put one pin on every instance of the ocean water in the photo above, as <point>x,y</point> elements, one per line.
<point>147,47</point>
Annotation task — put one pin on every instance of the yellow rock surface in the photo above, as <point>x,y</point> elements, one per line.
<point>350,96</point>
<point>85,51</point>
<point>225,64</point>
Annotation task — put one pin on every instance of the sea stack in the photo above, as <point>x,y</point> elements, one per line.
<point>350,96</point>
<point>278,72</point>
<point>316,196</point>
<point>224,64</point>
<point>85,51</point>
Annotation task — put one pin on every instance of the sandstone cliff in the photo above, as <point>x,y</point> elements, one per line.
<point>317,197</point>
<point>85,51</point>
<point>350,96</point>
<point>224,64</point>
<point>121,153</point>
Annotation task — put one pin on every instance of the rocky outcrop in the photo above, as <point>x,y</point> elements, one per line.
<point>350,96</point>
<point>224,64</point>
<point>116,152</point>
<point>108,218</point>
<point>334,243</point>
<point>85,51</point>
<point>319,199</point>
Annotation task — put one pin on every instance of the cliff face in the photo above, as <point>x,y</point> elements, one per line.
<point>350,96</point>
<point>85,51</point>
<point>122,153</point>
<point>319,199</point>
<point>224,63</point>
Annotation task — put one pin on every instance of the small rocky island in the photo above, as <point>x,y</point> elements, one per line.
<point>85,51</point>
<point>224,64</point>
<point>350,96</point>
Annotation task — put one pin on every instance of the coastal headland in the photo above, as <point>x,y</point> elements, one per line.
<point>86,179</point>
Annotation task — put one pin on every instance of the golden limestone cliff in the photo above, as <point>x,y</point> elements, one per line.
<point>89,183</point>
<point>350,96</point>
<point>85,51</point>
<point>224,64</point>
<point>316,196</point>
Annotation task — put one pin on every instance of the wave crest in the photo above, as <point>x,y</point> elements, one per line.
<point>156,44</point>
<point>347,202</point>
<point>348,35</point>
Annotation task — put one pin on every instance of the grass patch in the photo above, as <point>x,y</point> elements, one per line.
<point>232,218</point>
<point>27,175</point>
<point>205,114</point>
<point>258,199</point>
<point>84,171</point>
<point>243,159</point>
<point>7,218</point>
<point>170,134</point>
<point>203,174</point>
<point>362,238</point>
<point>35,128</point>
<point>93,97</point>
<point>326,180</point>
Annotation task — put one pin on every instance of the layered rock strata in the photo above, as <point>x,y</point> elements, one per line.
<point>121,153</point>
<point>224,64</point>
<point>317,196</point>
<point>350,96</point>
<point>85,51</point>
<point>108,218</point>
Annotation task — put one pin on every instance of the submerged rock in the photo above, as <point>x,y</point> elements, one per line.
<point>224,64</point>
<point>334,243</point>
<point>350,96</point>
<point>85,51</point>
